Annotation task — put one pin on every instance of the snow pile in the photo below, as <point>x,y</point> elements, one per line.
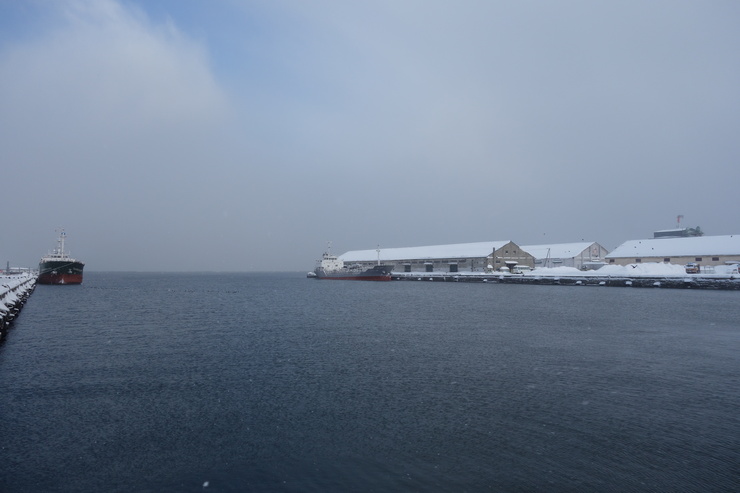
<point>646,269</point>
<point>651,269</point>
<point>725,270</point>
<point>554,272</point>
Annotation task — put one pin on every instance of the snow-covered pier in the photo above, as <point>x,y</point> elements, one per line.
<point>642,276</point>
<point>15,289</point>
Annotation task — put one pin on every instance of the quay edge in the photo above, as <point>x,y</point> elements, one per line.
<point>14,292</point>
<point>731,282</point>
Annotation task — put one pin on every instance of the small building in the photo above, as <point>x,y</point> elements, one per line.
<point>581,255</point>
<point>678,233</point>
<point>485,256</point>
<point>703,250</point>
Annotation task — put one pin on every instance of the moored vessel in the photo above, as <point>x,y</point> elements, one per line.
<point>58,267</point>
<point>332,267</point>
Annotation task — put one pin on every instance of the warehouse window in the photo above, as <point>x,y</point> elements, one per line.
<point>715,259</point>
<point>667,260</point>
<point>698,259</point>
<point>638,260</point>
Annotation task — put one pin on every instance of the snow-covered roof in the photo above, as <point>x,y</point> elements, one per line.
<point>679,247</point>
<point>558,250</point>
<point>459,250</point>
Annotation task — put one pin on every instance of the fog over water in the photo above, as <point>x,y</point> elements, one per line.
<point>239,136</point>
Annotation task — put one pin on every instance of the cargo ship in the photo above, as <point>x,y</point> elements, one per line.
<point>57,267</point>
<point>332,267</point>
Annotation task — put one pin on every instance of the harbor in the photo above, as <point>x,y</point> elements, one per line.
<point>227,377</point>
<point>450,263</point>
<point>676,259</point>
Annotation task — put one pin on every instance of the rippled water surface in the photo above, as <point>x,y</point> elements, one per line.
<point>274,382</point>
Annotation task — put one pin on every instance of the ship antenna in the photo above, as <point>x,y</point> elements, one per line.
<point>60,240</point>
<point>378,250</point>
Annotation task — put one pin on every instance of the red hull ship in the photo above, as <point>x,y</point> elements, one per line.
<point>58,267</point>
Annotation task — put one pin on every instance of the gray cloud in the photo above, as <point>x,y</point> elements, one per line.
<point>244,136</point>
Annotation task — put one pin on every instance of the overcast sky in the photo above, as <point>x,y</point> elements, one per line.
<point>244,135</point>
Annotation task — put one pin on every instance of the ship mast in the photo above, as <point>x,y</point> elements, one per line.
<point>378,250</point>
<point>61,242</point>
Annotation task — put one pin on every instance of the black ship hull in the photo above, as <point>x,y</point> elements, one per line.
<point>60,272</point>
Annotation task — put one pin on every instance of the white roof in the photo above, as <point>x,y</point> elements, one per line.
<point>459,250</point>
<point>679,247</point>
<point>559,250</point>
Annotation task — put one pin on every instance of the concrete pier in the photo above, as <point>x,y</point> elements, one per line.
<point>15,289</point>
<point>725,282</point>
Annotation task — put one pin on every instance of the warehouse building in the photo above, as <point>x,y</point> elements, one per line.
<point>703,250</point>
<point>582,255</point>
<point>485,256</point>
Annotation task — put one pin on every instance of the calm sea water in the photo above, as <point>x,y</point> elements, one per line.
<point>274,382</point>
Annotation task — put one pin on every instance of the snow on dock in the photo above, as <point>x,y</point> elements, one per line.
<point>15,289</point>
<point>635,275</point>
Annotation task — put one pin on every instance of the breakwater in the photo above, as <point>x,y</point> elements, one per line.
<point>15,289</point>
<point>728,282</point>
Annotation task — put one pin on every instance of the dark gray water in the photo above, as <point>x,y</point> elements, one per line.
<point>274,382</point>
